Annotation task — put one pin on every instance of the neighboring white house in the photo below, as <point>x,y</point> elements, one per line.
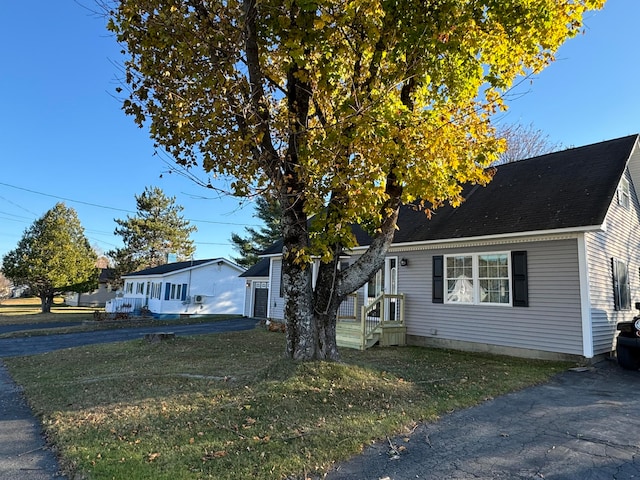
<point>542,262</point>
<point>191,288</point>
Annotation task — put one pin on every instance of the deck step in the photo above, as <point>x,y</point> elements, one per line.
<point>348,327</point>
<point>348,344</point>
<point>354,341</point>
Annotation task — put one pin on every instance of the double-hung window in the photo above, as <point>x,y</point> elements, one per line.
<point>621,285</point>
<point>176,291</point>
<point>482,278</point>
<point>624,194</point>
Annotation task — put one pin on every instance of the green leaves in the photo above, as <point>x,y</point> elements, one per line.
<point>53,256</point>
<point>399,84</point>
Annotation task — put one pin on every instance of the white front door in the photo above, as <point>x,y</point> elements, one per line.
<point>385,281</point>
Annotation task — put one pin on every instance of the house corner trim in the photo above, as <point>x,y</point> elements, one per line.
<point>585,298</point>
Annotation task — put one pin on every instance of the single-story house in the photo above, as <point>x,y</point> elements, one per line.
<point>542,262</point>
<point>191,288</point>
<point>98,297</point>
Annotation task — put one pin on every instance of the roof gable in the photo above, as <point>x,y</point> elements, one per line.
<point>568,189</point>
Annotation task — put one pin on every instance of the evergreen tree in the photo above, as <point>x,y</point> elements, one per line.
<point>152,234</point>
<point>256,240</point>
<point>53,257</point>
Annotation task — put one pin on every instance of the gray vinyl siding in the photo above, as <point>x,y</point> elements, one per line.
<point>621,240</point>
<point>551,323</point>
<point>276,302</point>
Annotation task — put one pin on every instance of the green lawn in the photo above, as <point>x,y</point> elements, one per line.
<point>22,311</point>
<point>228,406</point>
<point>27,310</point>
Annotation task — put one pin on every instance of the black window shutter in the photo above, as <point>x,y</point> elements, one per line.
<point>438,279</point>
<point>167,290</point>
<point>519,279</point>
<point>616,284</point>
<point>282,279</point>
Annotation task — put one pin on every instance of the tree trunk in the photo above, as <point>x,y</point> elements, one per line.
<point>311,333</point>
<point>311,314</point>
<point>46,301</point>
<point>326,345</point>
<point>298,314</point>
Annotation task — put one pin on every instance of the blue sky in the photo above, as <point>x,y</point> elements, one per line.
<point>64,138</point>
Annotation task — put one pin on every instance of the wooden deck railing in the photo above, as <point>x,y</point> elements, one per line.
<point>384,308</point>
<point>348,309</point>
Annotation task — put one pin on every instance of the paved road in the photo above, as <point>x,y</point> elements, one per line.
<point>580,426</point>
<point>13,347</point>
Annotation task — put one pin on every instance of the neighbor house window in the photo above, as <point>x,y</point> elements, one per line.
<point>478,278</point>
<point>624,196</point>
<point>175,291</point>
<point>128,287</point>
<point>155,290</point>
<point>621,286</point>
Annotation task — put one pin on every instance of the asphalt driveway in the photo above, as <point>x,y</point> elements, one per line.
<point>583,425</point>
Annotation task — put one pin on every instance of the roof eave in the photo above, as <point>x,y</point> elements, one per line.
<point>497,237</point>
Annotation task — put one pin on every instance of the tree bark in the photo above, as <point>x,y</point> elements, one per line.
<point>311,313</point>
<point>296,278</point>
<point>46,301</point>
<point>326,303</point>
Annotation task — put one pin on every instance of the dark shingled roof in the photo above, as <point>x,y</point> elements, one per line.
<point>568,189</point>
<point>260,269</point>
<point>171,267</point>
<point>106,274</point>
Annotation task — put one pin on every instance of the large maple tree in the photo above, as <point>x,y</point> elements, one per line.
<point>343,109</point>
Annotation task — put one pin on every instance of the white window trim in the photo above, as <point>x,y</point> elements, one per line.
<point>176,291</point>
<point>624,193</point>
<point>476,279</point>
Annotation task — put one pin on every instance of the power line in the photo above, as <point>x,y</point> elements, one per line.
<point>114,208</point>
<point>19,206</point>
<point>66,199</point>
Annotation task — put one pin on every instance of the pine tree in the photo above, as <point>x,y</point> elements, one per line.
<point>152,234</point>
<point>256,240</point>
